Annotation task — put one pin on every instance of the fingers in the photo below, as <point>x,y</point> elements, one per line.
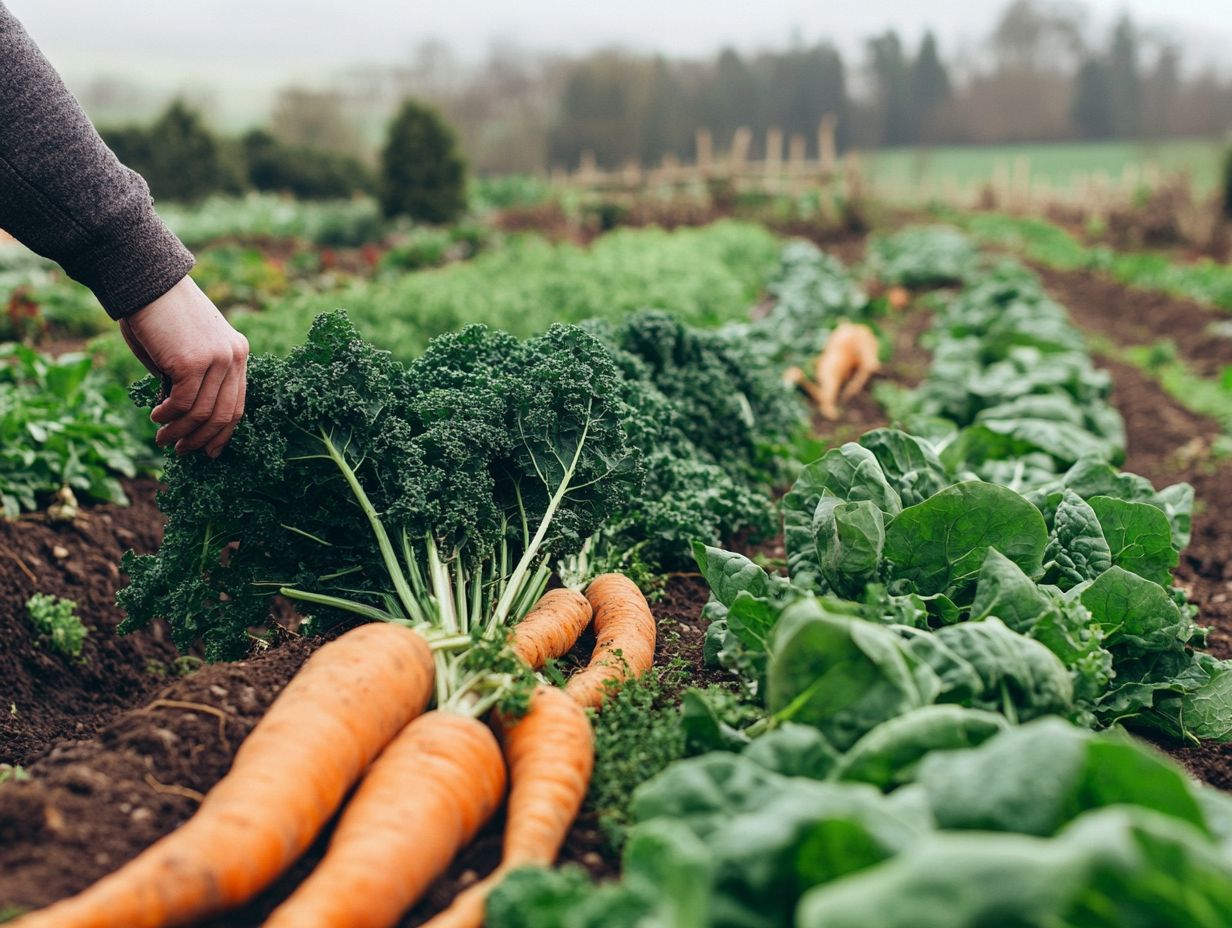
<point>215,447</point>
<point>229,408</point>
<point>200,408</point>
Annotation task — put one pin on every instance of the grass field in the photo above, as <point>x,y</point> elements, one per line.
<point>926,171</point>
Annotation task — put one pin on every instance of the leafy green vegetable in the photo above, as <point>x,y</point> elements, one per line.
<point>939,545</point>
<point>63,425</point>
<point>484,454</point>
<point>57,619</point>
<point>841,675</point>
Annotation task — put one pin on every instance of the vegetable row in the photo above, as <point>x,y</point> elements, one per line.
<point>936,696</point>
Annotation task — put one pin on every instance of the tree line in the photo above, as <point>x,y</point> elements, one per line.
<point>1041,75</point>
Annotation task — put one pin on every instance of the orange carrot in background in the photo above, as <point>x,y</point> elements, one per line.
<point>422,801</point>
<point>552,627</point>
<point>288,778</point>
<point>850,357</point>
<point>624,638</point>
<point>898,298</point>
<point>551,753</point>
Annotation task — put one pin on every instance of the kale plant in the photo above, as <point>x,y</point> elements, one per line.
<point>439,492</point>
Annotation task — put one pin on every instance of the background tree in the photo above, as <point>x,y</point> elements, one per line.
<point>177,154</point>
<point>423,175</point>
<point>304,172</point>
<point>1124,91</point>
<point>892,94</point>
<point>1092,111</point>
<point>313,119</point>
<point>929,87</point>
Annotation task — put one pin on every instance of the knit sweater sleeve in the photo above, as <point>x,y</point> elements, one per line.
<point>65,195</point>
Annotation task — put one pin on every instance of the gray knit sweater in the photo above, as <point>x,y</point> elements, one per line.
<point>65,195</point>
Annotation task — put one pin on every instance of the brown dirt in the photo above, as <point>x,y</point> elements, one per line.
<point>1133,316</point>
<point>43,695</point>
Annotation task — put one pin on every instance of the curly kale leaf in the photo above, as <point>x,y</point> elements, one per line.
<point>464,446</point>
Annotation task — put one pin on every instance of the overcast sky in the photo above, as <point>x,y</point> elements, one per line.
<point>232,42</point>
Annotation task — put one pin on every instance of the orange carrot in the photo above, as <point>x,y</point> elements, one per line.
<point>850,357</point>
<point>289,776</point>
<point>552,627</point>
<point>898,298</point>
<point>624,638</point>
<point>797,378</point>
<point>551,753</point>
<point>422,801</point>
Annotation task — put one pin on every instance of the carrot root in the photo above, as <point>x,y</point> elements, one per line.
<point>551,754</point>
<point>421,802</point>
<point>552,627</point>
<point>289,776</point>
<point>624,639</point>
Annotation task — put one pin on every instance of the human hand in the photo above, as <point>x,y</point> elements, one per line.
<point>182,336</point>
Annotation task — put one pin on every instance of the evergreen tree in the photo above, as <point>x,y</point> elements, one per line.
<point>1124,90</point>
<point>891,76</point>
<point>929,86</point>
<point>732,99</point>
<point>1227,184</point>
<point>179,157</point>
<point>1091,114</point>
<point>423,174</point>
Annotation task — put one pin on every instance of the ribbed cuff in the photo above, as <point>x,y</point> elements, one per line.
<point>135,264</point>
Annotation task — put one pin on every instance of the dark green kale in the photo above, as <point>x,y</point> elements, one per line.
<point>481,451</point>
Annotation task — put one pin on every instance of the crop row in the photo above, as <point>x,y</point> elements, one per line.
<point>975,609</point>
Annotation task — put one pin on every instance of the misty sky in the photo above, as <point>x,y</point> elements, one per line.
<point>233,43</point>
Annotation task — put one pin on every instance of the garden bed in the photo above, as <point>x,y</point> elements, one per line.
<point>94,803</point>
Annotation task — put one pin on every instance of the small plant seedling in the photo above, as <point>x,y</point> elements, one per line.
<point>57,619</point>
<point>14,774</point>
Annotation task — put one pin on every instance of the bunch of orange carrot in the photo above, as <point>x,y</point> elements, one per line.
<point>427,780</point>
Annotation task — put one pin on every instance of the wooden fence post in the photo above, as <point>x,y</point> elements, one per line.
<point>827,149</point>
<point>705,151</point>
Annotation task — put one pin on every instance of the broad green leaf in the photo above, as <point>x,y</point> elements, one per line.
<point>848,539</point>
<point>1139,537</point>
<point>850,473</point>
<point>1135,614</point>
<point>794,751</point>
<point>1077,549</point>
<point>843,676</point>
<point>1020,677</point>
<point>940,544</point>
<point>1004,591</point>
<point>909,463</point>
<point>729,573</point>
<point>1036,778</point>
<point>888,755</point>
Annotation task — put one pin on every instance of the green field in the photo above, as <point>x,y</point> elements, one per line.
<point>926,171</point>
